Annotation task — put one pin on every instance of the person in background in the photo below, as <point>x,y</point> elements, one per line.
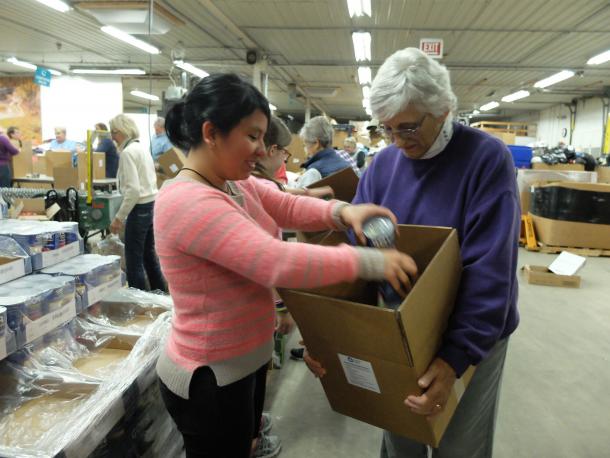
<point>106,145</point>
<point>138,185</point>
<point>438,172</point>
<point>62,143</point>
<point>216,229</point>
<point>349,154</point>
<point>159,143</point>
<point>14,134</point>
<point>281,174</point>
<point>7,151</point>
<point>317,135</point>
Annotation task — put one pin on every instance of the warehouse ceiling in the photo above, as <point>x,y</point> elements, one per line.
<point>492,47</point>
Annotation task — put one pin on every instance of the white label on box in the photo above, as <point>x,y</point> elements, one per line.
<point>52,257</point>
<point>38,328</point>
<point>567,263</point>
<point>359,373</point>
<point>174,168</point>
<point>100,163</point>
<point>459,388</point>
<point>3,347</point>
<point>100,292</point>
<point>12,270</point>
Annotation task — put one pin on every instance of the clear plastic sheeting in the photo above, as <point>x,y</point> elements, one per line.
<point>39,236</point>
<point>46,405</point>
<point>9,248</point>
<point>131,301</point>
<point>111,246</point>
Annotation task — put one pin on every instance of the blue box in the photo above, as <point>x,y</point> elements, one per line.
<point>522,156</point>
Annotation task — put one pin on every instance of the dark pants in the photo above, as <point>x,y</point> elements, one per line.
<point>218,421</point>
<point>5,176</point>
<point>140,255</point>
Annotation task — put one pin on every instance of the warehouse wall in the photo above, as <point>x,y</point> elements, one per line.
<point>588,131</point>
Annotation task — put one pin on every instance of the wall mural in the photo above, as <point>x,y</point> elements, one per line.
<point>20,106</point>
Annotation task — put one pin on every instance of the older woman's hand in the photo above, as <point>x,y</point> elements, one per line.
<point>354,216</point>
<point>116,226</point>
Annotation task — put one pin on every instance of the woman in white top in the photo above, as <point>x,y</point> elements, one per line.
<point>138,185</point>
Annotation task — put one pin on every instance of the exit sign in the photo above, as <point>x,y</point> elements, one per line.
<point>433,47</point>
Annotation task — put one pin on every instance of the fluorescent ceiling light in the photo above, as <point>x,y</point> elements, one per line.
<point>144,95</point>
<point>364,75</point>
<point>489,106</point>
<point>272,107</point>
<point>366,103</point>
<point>476,112</point>
<point>116,33</point>
<point>191,68</point>
<point>554,79</point>
<point>108,71</point>
<point>515,96</point>
<point>20,63</point>
<point>362,45</point>
<point>599,59</point>
<point>55,72</point>
<point>359,8</point>
<point>366,92</point>
<point>58,5</point>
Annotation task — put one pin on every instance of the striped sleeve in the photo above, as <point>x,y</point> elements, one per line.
<point>208,225</point>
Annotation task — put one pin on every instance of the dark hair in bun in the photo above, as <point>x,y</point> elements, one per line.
<point>224,99</point>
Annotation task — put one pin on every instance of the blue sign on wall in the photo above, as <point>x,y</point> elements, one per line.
<point>42,77</point>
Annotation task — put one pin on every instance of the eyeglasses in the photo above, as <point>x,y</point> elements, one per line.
<point>285,152</point>
<point>114,131</point>
<point>407,133</point>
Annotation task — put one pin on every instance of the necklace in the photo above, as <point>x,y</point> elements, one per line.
<point>208,181</point>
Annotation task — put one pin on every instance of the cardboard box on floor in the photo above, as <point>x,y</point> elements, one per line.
<point>541,275</point>
<point>574,234</point>
<point>171,162</point>
<point>374,356</point>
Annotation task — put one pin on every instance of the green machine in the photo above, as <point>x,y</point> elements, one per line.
<point>98,215</point>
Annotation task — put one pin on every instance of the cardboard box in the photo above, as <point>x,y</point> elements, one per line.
<point>541,275</point>
<point>374,356</point>
<point>65,177</point>
<point>603,174</point>
<point>22,163</point>
<point>339,137</point>
<point>99,168</point>
<point>171,162</point>
<point>298,155</point>
<point>343,182</point>
<point>56,159</point>
<point>13,267</point>
<point>573,167</point>
<point>39,164</point>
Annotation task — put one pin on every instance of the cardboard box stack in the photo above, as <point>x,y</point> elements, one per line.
<point>373,356</point>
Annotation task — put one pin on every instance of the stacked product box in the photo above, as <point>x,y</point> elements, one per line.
<point>95,275</point>
<point>46,242</point>
<point>14,261</point>
<point>35,305</point>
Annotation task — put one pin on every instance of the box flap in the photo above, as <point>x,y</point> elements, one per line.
<point>343,182</point>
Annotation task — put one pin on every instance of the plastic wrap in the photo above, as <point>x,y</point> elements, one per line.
<point>571,204</point>
<point>16,262</point>
<point>30,298</point>
<point>70,423</point>
<point>39,236</point>
<point>90,272</point>
<point>111,245</point>
<point>129,302</point>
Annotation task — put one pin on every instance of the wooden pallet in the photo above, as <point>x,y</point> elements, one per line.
<point>552,249</point>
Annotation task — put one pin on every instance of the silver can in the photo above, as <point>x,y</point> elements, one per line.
<point>380,232</point>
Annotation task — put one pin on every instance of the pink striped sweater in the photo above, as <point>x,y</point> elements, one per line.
<point>221,259</point>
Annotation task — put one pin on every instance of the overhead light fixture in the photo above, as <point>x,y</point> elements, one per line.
<point>599,59</point>
<point>366,92</point>
<point>191,68</point>
<point>362,45</point>
<point>515,96</point>
<point>366,103</point>
<point>55,72</point>
<point>359,8</point>
<point>58,5</point>
<point>272,107</point>
<point>108,71</point>
<point>489,106</point>
<point>554,79</point>
<point>21,63</point>
<point>476,112</point>
<point>144,95</point>
<point>133,41</point>
<point>364,75</point>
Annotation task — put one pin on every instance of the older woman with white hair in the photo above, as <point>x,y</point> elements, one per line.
<point>138,185</point>
<point>317,135</point>
<point>440,173</point>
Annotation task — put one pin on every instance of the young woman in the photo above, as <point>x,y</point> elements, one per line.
<point>215,228</point>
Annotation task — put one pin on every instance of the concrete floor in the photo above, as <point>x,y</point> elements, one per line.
<point>554,401</point>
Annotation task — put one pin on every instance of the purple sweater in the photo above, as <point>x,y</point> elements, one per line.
<point>470,186</point>
<point>7,150</point>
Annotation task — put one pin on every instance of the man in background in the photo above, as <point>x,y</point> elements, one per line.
<point>159,144</point>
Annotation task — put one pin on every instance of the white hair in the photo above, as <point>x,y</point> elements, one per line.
<point>160,122</point>
<point>410,77</point>
<point>350,141</point>
<point>317,129</point>
<point>125,125</point>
